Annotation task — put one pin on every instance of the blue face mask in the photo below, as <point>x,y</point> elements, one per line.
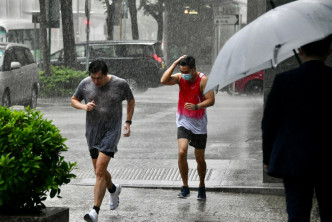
<point>186,76</point>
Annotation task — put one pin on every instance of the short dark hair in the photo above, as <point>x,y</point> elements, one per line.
<point>318,48</point>
<point>98,65</point>
<point>188,61</point>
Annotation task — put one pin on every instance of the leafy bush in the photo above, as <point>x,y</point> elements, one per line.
<point>30,161</point>
<point>62,82</point>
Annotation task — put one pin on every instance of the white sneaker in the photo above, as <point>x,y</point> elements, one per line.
<point>92,216</point>
<point>114,197</point>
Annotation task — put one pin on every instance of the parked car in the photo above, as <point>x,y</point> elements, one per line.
<point>141,63</point>
<point>250,85</point>
<point>19,76</point>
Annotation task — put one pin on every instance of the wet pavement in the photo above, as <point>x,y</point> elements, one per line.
<point>162,205</point>
<point>148,159</point>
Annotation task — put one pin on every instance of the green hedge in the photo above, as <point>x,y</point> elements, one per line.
<point>62,82</point>
<point>30,161</point>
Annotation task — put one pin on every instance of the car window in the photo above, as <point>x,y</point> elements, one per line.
<point>29,56</point>
<point>80,51</point>
<point>135,51</point>
<point>148,50</point>
<point>120,51</point>
<point>57,55</point>
<point>9,58</point>
<point>102,51</point>
<point>20,56</point>
<point>2,55</point>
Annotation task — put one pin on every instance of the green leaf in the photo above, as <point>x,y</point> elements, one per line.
<point>53,193</point>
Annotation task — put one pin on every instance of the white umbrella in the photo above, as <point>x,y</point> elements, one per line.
<point>270,39</point>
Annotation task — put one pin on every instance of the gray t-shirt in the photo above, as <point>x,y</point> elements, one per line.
<point>103,124</point>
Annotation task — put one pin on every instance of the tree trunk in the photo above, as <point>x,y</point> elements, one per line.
<point>110,19</point>
<point>43,38</point>
<point>160,32</point>
<point>133,16</point>
<point>69,52</point>
<point>159,19</point>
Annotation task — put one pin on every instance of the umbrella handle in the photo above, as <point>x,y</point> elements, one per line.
<point>297,57</point>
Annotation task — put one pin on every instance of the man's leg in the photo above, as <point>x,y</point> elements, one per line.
<point>299,194</point>
<point>324,197</point>
<point>182,161</point>
<point>103,177</point>
<point>201,165</point>
<point>108,175</point>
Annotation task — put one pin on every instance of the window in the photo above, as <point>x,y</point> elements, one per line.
<point>135,51</point>
<point>9,58</point>
<point>20,56</point>
<point>57,55</point>
<point>29,56</point>
<point>102,51</point>
<point>132,50</point>
<point>80,51</point>
<point>2,55</point>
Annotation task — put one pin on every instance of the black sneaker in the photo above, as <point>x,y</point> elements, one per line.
<point>185,192</point>
<point>201,193</point>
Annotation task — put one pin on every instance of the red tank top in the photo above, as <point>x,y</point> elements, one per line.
<point>190,92</point>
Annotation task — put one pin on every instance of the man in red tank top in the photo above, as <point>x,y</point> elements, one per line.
<point>191,118</point>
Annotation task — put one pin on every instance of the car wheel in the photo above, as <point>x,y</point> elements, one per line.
<point>6,99</point>
<point>254,88</point>
<point>33,100</point>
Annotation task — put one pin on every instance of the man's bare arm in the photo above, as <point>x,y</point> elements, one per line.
<point>130,113</point>
<point>76,103</point>
<point>209,96</point>
<point>130,108</point>
<point>168,78</point>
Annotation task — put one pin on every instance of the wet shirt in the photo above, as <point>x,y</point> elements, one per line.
<point>103,124</point>
<point>193,120</point>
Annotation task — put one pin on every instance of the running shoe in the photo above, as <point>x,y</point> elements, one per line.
<point>92,216</point>
<point>201,193</point>
<point>114,197</point>
<point>185,192</point>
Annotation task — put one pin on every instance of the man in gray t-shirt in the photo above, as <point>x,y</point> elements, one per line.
<point>103,95</point>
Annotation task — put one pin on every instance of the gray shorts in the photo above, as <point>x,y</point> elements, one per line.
<point>196,140</point>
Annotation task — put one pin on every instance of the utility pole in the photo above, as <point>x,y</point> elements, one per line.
<point>87,14</point>
<point>77,19</point>
<point>121,15</point>
<point>49,25</point>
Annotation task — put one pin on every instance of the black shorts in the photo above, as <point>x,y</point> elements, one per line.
<point>196,140</point>
<point>94,153</point>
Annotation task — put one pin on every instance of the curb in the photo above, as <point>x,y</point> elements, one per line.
<point>276,191</point>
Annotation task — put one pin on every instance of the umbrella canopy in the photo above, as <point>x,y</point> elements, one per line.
<point>270,39</point>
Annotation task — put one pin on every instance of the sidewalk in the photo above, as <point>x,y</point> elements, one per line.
<point>161,205</point>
